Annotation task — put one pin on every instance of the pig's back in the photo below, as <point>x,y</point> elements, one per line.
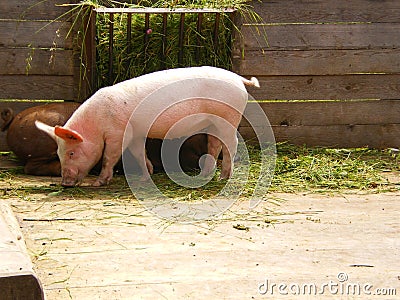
<point>145,84</point>
<point>116,103</point>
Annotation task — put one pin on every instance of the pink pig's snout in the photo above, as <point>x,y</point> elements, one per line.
<point>70,177</point>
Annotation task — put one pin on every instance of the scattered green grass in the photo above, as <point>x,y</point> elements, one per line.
<point>301,169</point>
<point>324,169</point>
<point>297,169</point>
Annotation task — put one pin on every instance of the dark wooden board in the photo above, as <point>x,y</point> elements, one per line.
<point>338,136</point>
<point>333,124</point>
<point>340,87</point>
<point>22,286</point>
<point>322,36</point>
<point>33,9</point>
<point>20,105</point>
<point>20,61</point>
<point>328,113</point>
<point>317,11</point>
<point>41,34</point>
<point>37,87</point>
<point>319,62</point>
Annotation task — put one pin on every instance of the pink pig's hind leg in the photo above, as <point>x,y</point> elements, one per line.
<point>213,150</point>
<point>228,153</point>
<point>228,142</point>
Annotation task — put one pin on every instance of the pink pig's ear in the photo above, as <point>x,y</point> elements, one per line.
<point>68,135</point>
<point>46,128</point>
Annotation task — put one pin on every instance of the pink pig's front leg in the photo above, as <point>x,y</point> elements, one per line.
<point>137,149</point>
<point>111,155</point>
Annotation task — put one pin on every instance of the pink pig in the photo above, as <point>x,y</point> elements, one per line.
<point>216,98</point>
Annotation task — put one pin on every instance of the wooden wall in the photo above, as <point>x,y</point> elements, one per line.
<point>329,69</point>
<point>36,54</point>
<point>32,32</point>
<point>343,55</point>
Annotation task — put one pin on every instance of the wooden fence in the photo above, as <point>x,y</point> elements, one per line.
<point>37,56</point>
<point>35,51</point>
<point>342,55</point>
<point>329,69</point>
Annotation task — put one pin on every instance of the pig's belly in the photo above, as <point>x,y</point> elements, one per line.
<point>170,127</point>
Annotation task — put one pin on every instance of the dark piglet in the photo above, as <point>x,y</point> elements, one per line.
<point>33,147</point>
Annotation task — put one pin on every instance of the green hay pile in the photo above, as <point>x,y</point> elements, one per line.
<point>146,57</point>
<point>147,45</point>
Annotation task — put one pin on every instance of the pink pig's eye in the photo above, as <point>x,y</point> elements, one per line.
<point>71,154</point>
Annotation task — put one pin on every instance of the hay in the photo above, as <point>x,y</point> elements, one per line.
<point>149,44</point>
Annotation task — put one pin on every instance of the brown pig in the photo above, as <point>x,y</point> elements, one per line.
<point>33,147</point>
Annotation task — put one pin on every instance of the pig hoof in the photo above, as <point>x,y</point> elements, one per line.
<point>97,183</point>
<point>207,175</point>
<point>224,175</point>
<point>206,172</point>
<point>149,167</point>
<point>144,178</point>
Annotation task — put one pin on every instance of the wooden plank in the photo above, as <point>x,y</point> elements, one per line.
<point>23,286</point>
<point>341,136</point>
<point>345,87</point>
<point>17,278</point>
<point>332,124</point>
<point>161,10</point>
<point>312,117</point>
<point>20,105</point>
<point>319,62</point>
<point>37,87</point>
<point>322,36</point>
<point>294,11</point>
<point>33,9</point>
<point>20,61</point>
<point>329,113</point>
<point>41,34</point>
